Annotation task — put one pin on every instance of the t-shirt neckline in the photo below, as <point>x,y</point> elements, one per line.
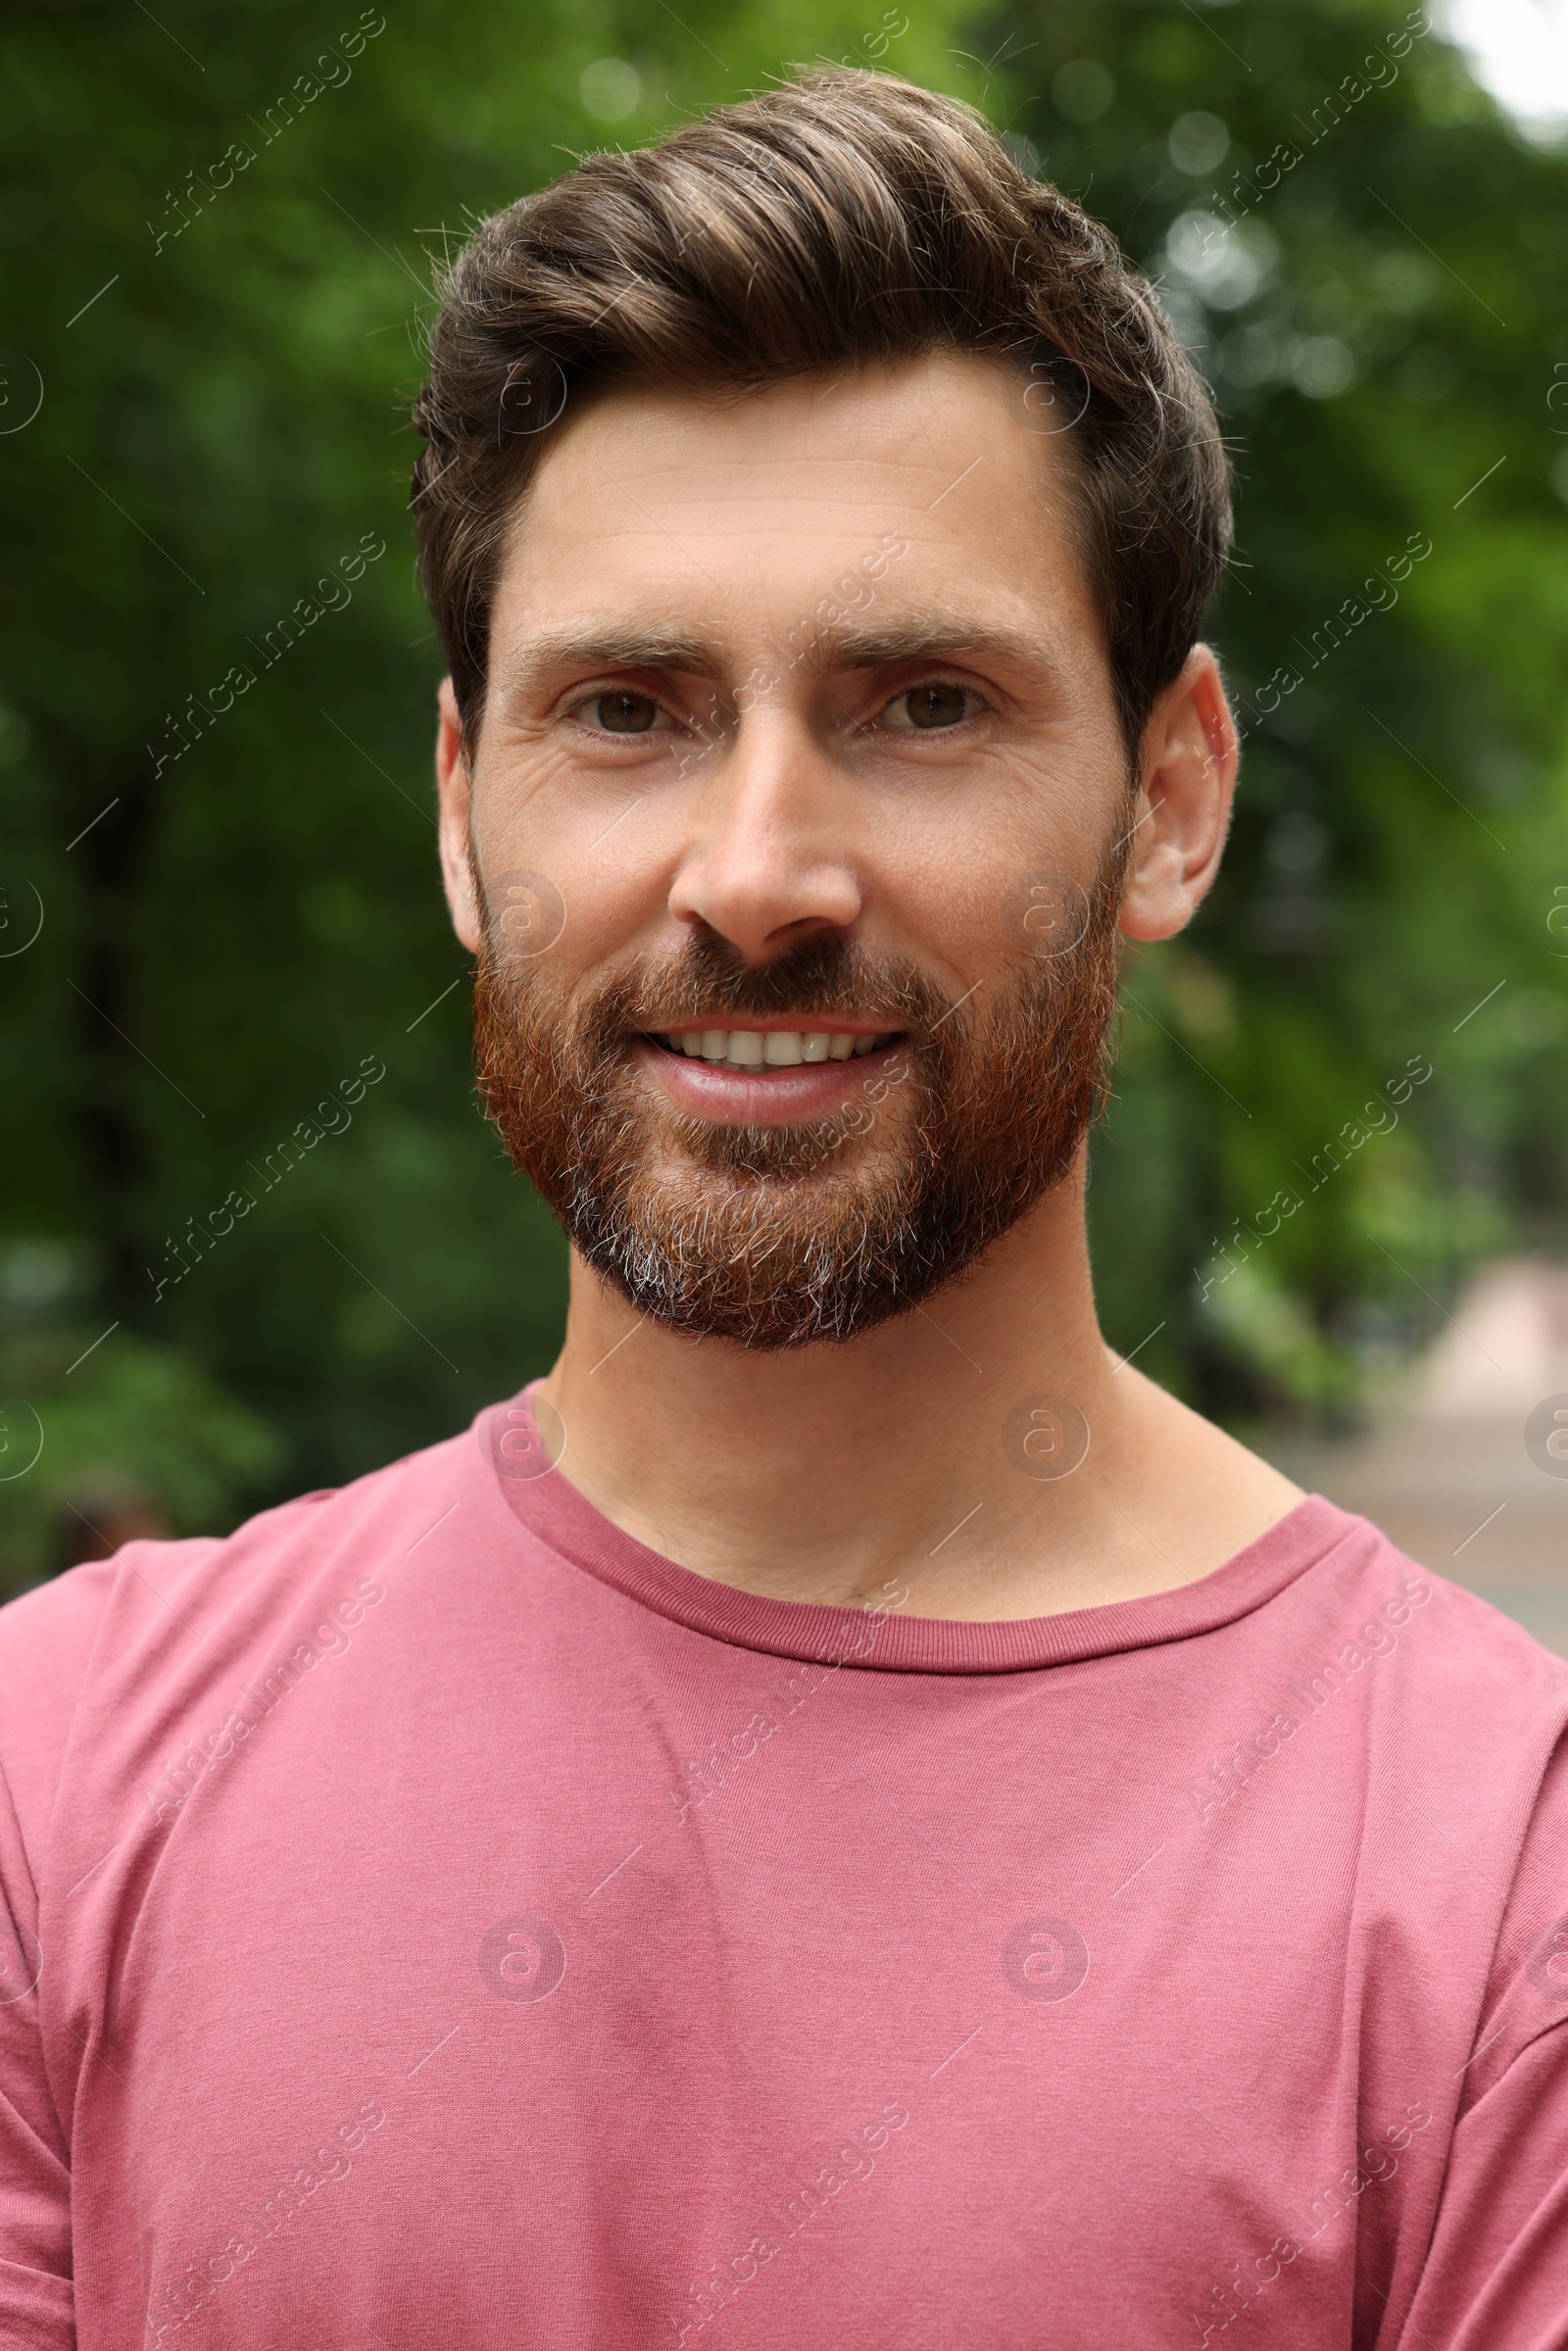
<point>878,1637</point>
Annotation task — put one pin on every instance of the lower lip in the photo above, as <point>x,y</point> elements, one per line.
<point>775,1098</point>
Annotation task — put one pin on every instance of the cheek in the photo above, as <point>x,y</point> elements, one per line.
<point>978,903</point>
<point>525,793</point>
<point>606,839</point>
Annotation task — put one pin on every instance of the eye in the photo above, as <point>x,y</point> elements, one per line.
<point>620,712</point>
<point>931,706</point>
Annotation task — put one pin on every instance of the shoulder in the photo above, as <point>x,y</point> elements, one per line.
<point>1463,1713</point>
<point>1462,1653</point>
<point>163,1620</point>
<point>1364,1599</point>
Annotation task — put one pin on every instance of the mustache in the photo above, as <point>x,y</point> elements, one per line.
<point>814,980</point>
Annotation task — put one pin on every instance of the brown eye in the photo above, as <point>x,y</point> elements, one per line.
<point>936,705</point>
<point>625,713</point>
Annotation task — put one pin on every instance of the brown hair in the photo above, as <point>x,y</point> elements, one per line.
<point>845,217</point>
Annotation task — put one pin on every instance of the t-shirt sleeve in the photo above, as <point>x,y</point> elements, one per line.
<point>36,2297</point>
<point>1496,2269</point>
<point>45,1640</point>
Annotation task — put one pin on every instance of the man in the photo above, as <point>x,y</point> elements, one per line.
<point>844,1815</point>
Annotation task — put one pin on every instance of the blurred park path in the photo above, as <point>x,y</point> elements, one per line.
<point>1449,1477</point>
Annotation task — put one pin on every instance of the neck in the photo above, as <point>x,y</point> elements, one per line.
<point>837,1473</point>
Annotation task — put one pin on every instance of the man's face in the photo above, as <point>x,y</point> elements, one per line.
<point>793,840</point>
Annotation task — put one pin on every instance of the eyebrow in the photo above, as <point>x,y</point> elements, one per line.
<point>927,635</point>
<point>932,634</point>
<point>605,649</point>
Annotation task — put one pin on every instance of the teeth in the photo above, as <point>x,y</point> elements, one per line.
<point>766,1049</point>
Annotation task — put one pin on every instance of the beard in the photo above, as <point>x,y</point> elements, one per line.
<point>781,1236</point>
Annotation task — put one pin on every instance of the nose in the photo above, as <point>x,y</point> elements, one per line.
<point>769,861</point>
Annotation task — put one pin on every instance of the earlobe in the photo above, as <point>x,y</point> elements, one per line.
<point>454,792</point>
<point>1188,763</point>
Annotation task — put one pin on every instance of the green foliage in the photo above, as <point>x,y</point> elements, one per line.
<point>1371,266</point>
<point>107,1423</point>
<point>226,350</point>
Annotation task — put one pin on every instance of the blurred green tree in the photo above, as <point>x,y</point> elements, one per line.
<point>1370,263</point>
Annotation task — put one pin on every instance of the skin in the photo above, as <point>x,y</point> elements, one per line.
<point>666,547</point>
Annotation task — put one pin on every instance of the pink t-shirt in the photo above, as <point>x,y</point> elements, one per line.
<point>436,1919</point>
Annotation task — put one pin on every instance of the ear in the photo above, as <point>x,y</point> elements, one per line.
<point>454,791</point>
<point>1188,763</point>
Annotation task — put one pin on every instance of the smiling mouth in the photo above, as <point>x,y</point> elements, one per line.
<point>768,1050</point>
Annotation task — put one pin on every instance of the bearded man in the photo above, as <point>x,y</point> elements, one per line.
<point>844,1815</point>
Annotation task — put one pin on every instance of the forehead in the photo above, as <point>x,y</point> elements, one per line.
<point>733,515</point>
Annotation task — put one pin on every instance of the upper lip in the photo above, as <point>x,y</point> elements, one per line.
<point>796,1023</point>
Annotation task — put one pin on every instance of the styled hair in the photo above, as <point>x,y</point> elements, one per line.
<point>843,219</point>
